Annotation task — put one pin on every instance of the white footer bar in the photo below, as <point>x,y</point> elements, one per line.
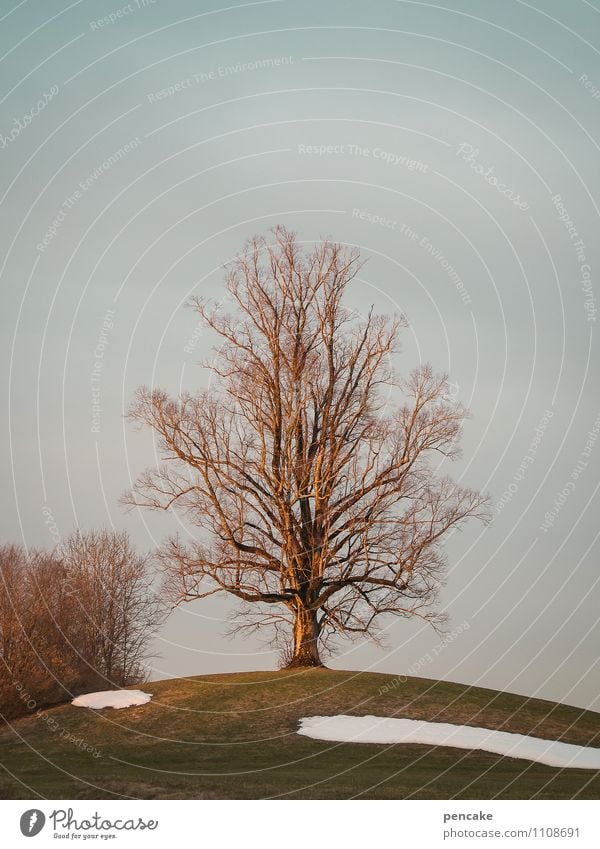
<point>290,824</point>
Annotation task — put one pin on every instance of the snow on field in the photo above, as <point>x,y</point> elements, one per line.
<point>379,729</point>
<point>112,698</point>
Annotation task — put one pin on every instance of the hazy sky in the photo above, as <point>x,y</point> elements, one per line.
<point>456,144</point>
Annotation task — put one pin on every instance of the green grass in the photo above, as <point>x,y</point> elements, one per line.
<point>233,736</point>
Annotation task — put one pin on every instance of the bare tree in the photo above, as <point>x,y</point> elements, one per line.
<point>38,660</point>
<point>73,620</point>
<point>13,563</point>
<point>115,607</point>
<point>314,495</point>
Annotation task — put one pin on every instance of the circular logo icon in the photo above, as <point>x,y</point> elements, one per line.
<point>32,822</point>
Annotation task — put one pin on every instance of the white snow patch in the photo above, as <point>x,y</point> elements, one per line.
<point>380,729</point>
<point>113,699</point>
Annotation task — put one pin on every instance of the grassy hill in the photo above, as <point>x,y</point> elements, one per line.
<point>233,736</point>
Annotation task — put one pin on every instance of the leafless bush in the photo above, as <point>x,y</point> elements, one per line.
<point>77,619</point>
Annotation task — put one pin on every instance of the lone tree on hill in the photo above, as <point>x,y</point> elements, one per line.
<point>314,497</point>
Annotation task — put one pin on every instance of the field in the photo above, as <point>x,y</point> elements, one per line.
<point>233,736</point>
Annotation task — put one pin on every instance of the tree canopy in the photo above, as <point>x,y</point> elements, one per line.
<point>307,467</point>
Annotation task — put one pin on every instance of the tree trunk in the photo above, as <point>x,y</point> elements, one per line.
<point>306,636</point>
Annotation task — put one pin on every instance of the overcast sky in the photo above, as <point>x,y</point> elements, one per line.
<point>456,144</point>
